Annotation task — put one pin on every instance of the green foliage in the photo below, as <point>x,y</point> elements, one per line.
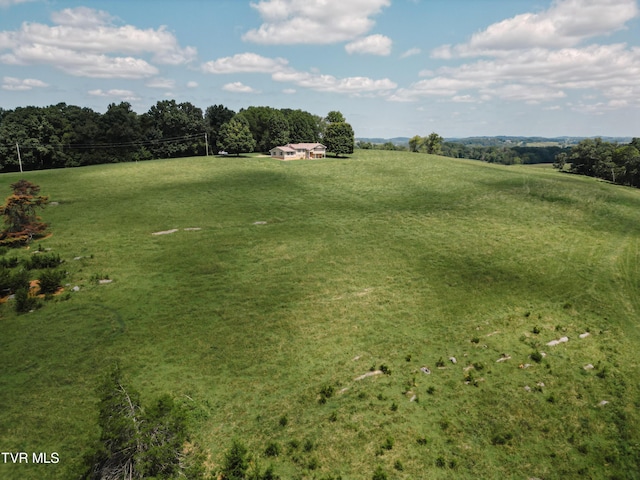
<point>339,138</point>
<point>135,443</point>
<point>235,136</point>
<point>379,474</point>
<point>42,260</point>
<point>50,280</point>
<point>236,462</point>
<point>272,450</point>
<point>335,117</point>
<point>24,302</point>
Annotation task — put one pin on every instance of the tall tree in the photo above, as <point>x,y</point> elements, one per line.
<point>433,144</point>
<point>335,116</point>
<point>278,130</point>
<point>214,117</point>
<point>235,136</point>
<point>120,128</point>
<point>415,143</point>
<point>339,138</point>
<point>176,129</point>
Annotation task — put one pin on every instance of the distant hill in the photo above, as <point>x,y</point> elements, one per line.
<point>501,140</point>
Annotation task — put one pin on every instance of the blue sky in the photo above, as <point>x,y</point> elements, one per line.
<point>392,67</point>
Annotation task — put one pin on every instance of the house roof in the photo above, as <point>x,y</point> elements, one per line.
<point>284,149</point>
<point>305,146</point>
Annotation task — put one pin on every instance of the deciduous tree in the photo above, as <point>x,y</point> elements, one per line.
<point>235,137</point>
<point>19,211</point>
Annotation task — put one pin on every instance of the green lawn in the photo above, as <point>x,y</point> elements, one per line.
<point>384,258</point>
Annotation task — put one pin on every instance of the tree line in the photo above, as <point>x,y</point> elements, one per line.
<point>62,135</point>
<point>606,160</point>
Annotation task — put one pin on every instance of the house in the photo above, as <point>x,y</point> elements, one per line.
<point>297,151</point>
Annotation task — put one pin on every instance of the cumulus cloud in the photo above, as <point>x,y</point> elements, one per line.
<point>244,63</point>
<point>329,83</point>
<point>10,3</point>
<point>411,52</point>
<point>566,24</point>
<point>124,95</point>
<point>192,84</point>
<point>18,85</point>
<point>238,87</point>
<point>373,45</point>
<point>281,72</point>
<point>537,57</point>
<point>313,21</point>
<point>161,83</point>
<point>85,42</point>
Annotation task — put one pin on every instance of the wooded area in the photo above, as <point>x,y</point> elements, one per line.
<point>64,135</point>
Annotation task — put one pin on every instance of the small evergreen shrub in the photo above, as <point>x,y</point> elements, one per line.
<point>475,340</point>
<point>441,462</point>
<point>388,443</point>
<point>45,260</point>
<point>24,302</point>
<point>50,281</point>
<point>421,441</point>
<point>379,474</point>
<point>431,390</point>
<point>535,330</point>
<point>283,421</point>
<point>20,280</point>
<point>536,356</point>
<point>440,363</point>
<point>394,407</point>
<point>398,465</point>
<point>333,417</point>
<point>272,450</point>
<point>308,445</point>
<point>9,262</point>
<point>384,369</point>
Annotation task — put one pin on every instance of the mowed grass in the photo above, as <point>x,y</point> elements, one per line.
<point>306,275</point>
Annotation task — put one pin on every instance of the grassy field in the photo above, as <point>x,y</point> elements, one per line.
<point>302,277</point>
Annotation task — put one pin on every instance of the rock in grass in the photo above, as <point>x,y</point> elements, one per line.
<point>453,360</point>
<point>584,335</point>
<point>425,370</point>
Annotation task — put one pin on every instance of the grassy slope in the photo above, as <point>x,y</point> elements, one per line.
<point>382,256</point>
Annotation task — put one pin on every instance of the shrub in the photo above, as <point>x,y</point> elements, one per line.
<point>19,280</point>
<point>283,421</point>
<point>235,463</point>
<point>394,407</point>
<point>440,362</point>
<point>308,445</point>
<point>326,392</point>
<point>536,356</point>
<point>398,465</point>
<point>388,443</point>
<point>272,450</point>
<point>9,262</point>
<point>384,369</point>
<point>379,474</point>
<point>475,340</point>
<point>501,439</point>
<point>5,281</point>
<point>50,281</point>
<point>431,390</point>
<point>46,260</point>
<point>25,302</point>
<point>535,330</point>
<point>441,462</point>
<point>313,464</point>
<point>333,417</point>
<point>421,440</point>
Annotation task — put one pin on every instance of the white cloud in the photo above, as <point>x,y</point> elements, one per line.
<point>244,63</point>
<point>373,45</point>
<point>192,84</point>
<point>329,83</point>
<point>566,24</point>
<point>17,85</point>
<point>238,87</point>
<point>289,91</point>
<point>124,95</point>
<point>536,58</point>
<point>313,21</point>
<point>84,42</point>
<point>411,52</point>
<point>9,3</point>
<point>161,83</point>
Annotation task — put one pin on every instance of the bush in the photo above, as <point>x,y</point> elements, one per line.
<point>25,302</point>
<point>50,281</point>
<point>235,463</point>
<point>46,260</point>
<point>19,280</point>
<point>536,356</point>
<point>8,262</point>
<point>379,474</point>
<point>384,369</point>
<point>272,450</point>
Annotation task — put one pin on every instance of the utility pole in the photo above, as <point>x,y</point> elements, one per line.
<point>19,159</point>
<point>206,142</point>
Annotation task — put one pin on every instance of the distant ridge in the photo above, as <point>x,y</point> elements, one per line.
<point>501,140</point>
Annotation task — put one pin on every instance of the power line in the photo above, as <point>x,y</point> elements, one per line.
<point>159,141</point>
